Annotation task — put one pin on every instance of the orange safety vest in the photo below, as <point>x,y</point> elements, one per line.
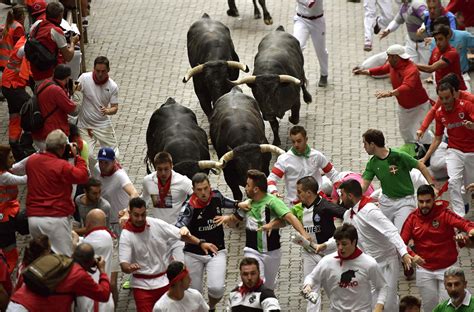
<point>9,205</point>
<point>17,72</point>
<point>6,44</point>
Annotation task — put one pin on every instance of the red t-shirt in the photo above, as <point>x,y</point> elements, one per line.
<point>451,57</point>
<point>433,235</point>
<point>5,279</point>
<point>77,283</point>
<point>466,7</point>
<point>460,137</point>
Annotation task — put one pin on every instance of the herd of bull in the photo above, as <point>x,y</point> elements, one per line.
<point>236,120</point>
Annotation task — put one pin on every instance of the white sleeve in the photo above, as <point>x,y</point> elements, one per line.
<point>277,173</point>
<point>168,230</point>
<point>327,167</point>
<point>124,179</point>
<point>58,38</point>
<point>125,249</point>
<point>19,168</point>
<point>203,307</point>
<point>188,186</point>
<point>7,178</point>
<point>315,277</point>
<point>330,243</point>
<point>145,194</point>
<point>383,225</point>
<point>114,96</point>
<point>378,280</point>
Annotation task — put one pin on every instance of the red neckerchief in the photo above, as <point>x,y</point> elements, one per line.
<point>196,202</point>
<point>163,190</point>
<point>179,277</point>
<point>357,252</point>
<point>135,229</point>
<point>364,201</point>
<point>99,82</point>
<point>114,169</point>
<point>98,228</point>
<point>245,290</point>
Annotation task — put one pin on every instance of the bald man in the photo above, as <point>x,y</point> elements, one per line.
<point>102,239</point>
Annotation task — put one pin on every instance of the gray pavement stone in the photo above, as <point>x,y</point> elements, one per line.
<point>145,41</point>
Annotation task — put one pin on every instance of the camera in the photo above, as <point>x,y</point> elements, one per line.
<point>68,151</point>
<point>69,34</point>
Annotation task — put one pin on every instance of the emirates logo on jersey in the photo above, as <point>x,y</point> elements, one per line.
<point>346,279</point>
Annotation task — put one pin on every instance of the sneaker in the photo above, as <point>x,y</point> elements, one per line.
<point>377,28</point>
<point>323,81</point>
<point>368,47</point>
<point>126,284</point>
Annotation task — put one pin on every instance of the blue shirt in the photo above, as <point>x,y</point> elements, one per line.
<point>427,20</point>
<point>462,41</point>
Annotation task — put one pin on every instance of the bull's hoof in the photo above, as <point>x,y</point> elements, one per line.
<point>268,21</point>
<point>257,15</point>
<point>233,13</point>
<point>294,120</point>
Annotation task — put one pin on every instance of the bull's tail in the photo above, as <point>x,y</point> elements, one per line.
<point>147,163</point>
<point>306,95</point>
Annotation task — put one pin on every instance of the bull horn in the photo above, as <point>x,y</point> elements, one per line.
<point>241,66</point>
<point>226,157</point>
<point>268,148</point>
<point>208,164</point>
<point>288,78</point>
<point>193,71</point>
<point>248,79</point>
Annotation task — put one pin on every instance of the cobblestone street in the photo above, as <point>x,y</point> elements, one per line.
<point>145,41</point>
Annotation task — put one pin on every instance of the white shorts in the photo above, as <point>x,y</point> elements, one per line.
<point>58,230</point>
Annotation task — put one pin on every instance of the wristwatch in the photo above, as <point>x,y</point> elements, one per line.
<point>201,241</point>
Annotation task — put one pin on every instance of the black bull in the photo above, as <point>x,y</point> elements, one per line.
<point>277,79</point>
<point>213,60</point>
<point>237,132</point>
<point>173,128</point>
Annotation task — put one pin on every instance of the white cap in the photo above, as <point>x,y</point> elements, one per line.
<point>399,50</point>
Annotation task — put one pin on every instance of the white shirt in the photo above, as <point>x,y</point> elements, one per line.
<point>294,167</point>
<point>378,237</point>
<point>16,175</point>
<point>95,96</point>
<point>103,246</point>
<point>149,249</point>
<point>191,302</point>
<point>181,187</point>
<point>348,285</point>
<point>113,192</point>
<point>302,7</point>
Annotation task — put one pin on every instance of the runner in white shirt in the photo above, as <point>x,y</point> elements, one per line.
<point>300,161</point>
<point>100,100</point>
<point>99,237</point>
<point>378,237</point>
<point>348,276</point>
<point>165,192</point>
<point>143,253</point>
<point>180,297</point>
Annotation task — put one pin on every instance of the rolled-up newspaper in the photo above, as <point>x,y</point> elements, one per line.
<point>311,296</point>
<point>298,239</point>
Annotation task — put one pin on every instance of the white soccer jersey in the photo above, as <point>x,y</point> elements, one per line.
<point>191,302</point>
<point>294,167</point>
<point>349,284</point>
<point>378,237</point>
<point>181,187</point>
<point>149,249</point>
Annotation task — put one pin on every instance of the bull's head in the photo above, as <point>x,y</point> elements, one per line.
<point>217,75</point>
<point>266,88</point>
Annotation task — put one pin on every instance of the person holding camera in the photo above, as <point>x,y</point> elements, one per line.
<point>54,104</point>
<point>76,283</point>
<point>49,206</point>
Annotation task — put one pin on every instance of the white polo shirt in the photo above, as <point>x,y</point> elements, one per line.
<point>191,302</point>
<point>149,249</point>
<point>181,187</point>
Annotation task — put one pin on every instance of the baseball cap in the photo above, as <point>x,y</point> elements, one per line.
<point>399,50</point>
<point>38,7</point>
<point>106,153</point>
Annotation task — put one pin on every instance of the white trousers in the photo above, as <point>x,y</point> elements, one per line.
<point>467,81</point>
<point>269,263</point>
<point>397,209</point>
<point>410,120</point>
<point>97,138</point>
<point>461,173</point>
<point>58,230</point>
<point>385,17</point>
<point>390,270</point>
<point>216,268</point>
<point>15,307</point>
<point>431,287</point>
<point>303,28</point>
<point>438,161</point>
<point>309,263</point>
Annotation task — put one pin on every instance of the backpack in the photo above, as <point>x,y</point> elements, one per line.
<point>30,114</point>
<point>45,273</point>
<point>37,54</point>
